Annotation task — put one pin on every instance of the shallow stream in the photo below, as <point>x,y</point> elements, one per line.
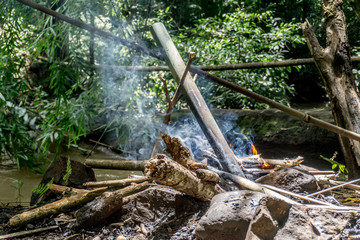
<point>12,193</point>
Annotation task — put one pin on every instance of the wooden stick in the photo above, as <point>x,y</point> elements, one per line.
<point>321,172</point>
<point>284,162</point>
<point>332,188</point>
<point>298,196</point>
<point>29,232</point>
<point>244,183</point>
<point>116,183</point>
<point>135,165</point>
<point>54,208</point>
<point>61,189</point>
<point>171,103</point>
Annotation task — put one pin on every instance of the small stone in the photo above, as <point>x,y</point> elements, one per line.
<point>121,237</point>
<point>30,226</point>
<point>97,238</point>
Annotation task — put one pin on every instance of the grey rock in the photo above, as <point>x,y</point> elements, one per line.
<point>229,216</point>
<point>291,179</point>
<point>314,223</point>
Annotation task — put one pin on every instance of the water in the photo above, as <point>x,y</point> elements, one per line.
<point>12,193</point>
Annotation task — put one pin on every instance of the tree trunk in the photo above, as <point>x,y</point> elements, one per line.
<point>335,66</point>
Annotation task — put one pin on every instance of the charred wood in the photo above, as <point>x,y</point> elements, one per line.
<point>166,171</point>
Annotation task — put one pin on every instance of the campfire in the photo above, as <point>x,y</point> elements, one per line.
<point>251,197</point>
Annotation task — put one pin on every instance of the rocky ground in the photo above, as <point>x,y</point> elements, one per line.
<point>153,214</point>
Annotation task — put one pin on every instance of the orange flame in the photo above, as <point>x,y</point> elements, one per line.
<point>253,149</point>
<point>262,163</point>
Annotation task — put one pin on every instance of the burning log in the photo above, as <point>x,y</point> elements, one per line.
<point>180,154</point>
<point>207,175</point>
<point>120,164</point>
<point>116,183</point>
<point>54,208</point>
<point>168,172</point>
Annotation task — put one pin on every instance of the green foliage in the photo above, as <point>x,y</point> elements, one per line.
<point>18,122</point>
<point>18,183</point>
<point>42,189</point>
<point>68,171</point>
<point>341,168</point>
<point>240,37</point>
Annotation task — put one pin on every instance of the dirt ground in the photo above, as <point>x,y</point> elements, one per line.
<point>176,228</point>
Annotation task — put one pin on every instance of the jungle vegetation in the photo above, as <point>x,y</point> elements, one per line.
<point>50,94</point>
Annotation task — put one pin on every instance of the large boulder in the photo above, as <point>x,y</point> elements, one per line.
<point>314,223</point>
<point>291,179</point>
<point>229,216</point>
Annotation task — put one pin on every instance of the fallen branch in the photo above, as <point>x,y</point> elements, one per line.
<point>321,172</point>
<point>168,172</point>
<point>29,232</point>
<point>135,165</point>
<point>115,183</point>
<point>62,189</point>
<point>54,208</point>
<point>101,208</point>
<point>278,162</point>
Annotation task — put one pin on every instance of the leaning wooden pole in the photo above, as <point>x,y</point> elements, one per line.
<point>195,100</point>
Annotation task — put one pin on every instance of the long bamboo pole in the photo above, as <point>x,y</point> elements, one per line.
<point>195,100</point>
<point>224,67</point>
<point>221,81</point>
<point>303,116</point>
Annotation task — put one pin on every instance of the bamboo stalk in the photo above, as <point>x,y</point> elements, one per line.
<point>115,183</point>
<point>332,188</point>
<point>135,165</point>
<point>195,100</point>
<point>282,191</point>
<point>300,115</point>
<point>224,67</point>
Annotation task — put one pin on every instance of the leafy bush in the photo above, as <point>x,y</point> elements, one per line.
<point>240,37</point>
